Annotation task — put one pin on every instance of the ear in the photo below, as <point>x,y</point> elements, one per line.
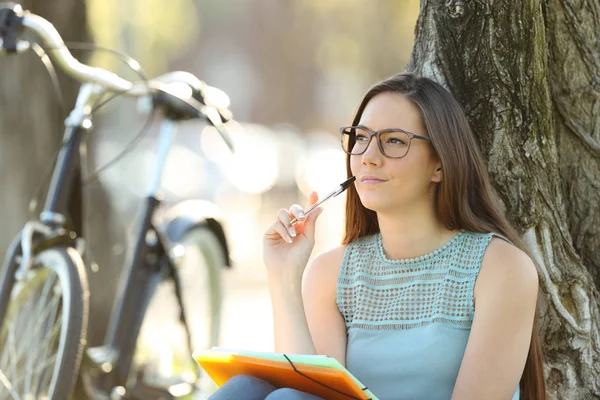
<point>437,173</point>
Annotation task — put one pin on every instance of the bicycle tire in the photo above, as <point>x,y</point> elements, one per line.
<point>214,258</point>
<point>70,278</point>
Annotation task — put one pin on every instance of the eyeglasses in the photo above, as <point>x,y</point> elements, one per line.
<point>393,143</point>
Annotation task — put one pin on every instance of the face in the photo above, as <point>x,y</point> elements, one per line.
<point>387,185</point>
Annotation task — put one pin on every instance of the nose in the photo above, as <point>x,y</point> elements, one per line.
<point>373,154</point>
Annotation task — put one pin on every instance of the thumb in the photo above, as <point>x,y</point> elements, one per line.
<point>312,198</point>
<point>311,220</point>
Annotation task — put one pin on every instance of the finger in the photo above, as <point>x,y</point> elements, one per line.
<point>312,198</point>
<point>284,217</point>
<point>297,212</point>
<point>310,222</point>
<point>277,228</point>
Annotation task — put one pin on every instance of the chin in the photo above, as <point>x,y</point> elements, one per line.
<point>375,203</point>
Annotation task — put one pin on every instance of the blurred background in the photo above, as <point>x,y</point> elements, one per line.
<point>295,70</point>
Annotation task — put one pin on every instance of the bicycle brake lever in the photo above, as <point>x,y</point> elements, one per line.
<point>30,229</point>
<point>214,117</point>
<point>21,46</point>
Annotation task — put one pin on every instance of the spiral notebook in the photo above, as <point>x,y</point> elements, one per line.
<point>322,376</point>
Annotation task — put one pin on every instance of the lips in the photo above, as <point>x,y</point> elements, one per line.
<point>371,179</point>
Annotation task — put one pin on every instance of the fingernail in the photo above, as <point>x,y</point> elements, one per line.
<point>301,215</point>
<point>288,239</point>
<point>292,231</point>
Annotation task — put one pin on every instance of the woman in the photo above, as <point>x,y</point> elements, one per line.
<point>432,294</point>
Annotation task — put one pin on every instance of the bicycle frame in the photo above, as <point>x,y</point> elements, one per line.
<point>64,196</point>
<point>146,265</point>
<point>65,191</point>
<point>61,221</point>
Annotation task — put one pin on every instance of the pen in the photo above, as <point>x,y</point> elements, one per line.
<point>343,186</point>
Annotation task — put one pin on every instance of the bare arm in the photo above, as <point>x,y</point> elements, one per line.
<point>291,331</point>
<point>308,321</point>
<point>302,307</point>
<point>506,295</point>
<point>326,324</point>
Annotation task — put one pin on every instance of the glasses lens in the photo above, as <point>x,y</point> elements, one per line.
<point>354,140</point>
<point>394,144</point>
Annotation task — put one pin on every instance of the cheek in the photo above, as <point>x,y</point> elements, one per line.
<point>408,176</point>
<point>355,163</point>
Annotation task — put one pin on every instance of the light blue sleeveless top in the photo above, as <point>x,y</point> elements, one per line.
<point>408,321</point>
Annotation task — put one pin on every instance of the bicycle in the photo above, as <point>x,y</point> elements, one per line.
<point>44,273</point>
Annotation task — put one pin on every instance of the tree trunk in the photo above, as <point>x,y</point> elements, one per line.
<point>528,76</point>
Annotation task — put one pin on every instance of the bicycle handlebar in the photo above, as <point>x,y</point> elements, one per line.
<point>210,102</point>
<point>51,41</point>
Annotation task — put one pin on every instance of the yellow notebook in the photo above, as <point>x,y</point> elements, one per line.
<point>319,375</point>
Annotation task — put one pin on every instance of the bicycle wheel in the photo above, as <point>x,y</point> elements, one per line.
<point>163,357</point>
<point>43,331</point>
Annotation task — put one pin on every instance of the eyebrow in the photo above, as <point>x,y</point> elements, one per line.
<point>386,129</point>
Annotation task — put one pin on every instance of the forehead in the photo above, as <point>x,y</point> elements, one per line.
<point>391,110</point>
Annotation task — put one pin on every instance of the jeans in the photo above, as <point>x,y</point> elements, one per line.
<point>245,387</point>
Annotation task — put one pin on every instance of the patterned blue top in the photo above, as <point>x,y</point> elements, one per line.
<point>408,321</point>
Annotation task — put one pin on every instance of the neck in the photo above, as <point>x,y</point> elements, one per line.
<point>412,233</point>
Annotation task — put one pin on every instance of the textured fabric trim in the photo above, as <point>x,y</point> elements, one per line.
<point>375,293</point>
<point>461,324</point>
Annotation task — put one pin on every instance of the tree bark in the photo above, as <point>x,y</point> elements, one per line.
<point>528,76</point>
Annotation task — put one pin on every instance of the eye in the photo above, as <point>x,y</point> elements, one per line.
<point>361,137</point>
<point>395,140</point>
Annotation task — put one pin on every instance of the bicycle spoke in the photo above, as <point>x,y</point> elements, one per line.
<point>47,348</point>
<point>28,360</point>
<point>42,300</point>
<point>45,306</point>
<point>5,354</point>
<point>29,340</point>
<point>11,355</point>
<point>31,332</point>
<point>44,377</point>
<point>6,383</point>
<point>43,349</point>
<point>19,312</point>
<point>42,366</point>
<point>12,349</point>
<point>41,322</point>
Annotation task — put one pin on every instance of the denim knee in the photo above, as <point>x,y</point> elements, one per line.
<point>246,381</point>
<point>290,394</point>
<point>243,387</point>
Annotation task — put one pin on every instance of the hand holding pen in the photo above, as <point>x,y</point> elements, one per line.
<point>288,242</point>
<point>284,228</point>
<point>342,187</point>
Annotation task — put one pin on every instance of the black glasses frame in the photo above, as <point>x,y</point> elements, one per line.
<point>372,133</point>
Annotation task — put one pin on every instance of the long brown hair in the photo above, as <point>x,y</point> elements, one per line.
<point>464,199</point>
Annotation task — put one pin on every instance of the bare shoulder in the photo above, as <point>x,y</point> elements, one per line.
<point>506,269</point>
<point>325,267</point>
